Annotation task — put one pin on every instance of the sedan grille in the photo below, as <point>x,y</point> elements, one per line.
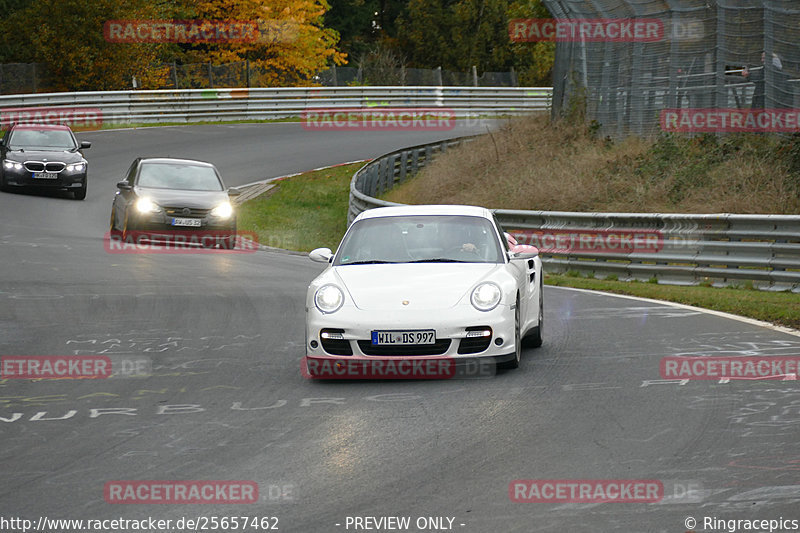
<point>437,348</point>
<point>41,166</point>
<point>186,211</point>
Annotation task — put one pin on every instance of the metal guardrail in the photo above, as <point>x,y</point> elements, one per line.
<point>722,249</point>
<point>193,105</point>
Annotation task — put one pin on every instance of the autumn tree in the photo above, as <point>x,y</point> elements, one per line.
<point>292,43</point>
<point>67,35</point>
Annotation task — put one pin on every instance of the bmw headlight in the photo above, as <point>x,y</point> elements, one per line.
<point>486,296</point>
<point>146,205</point>
<point>223,210</point>
<point>76,167</point>
<point>12,165</point>
<point>329,298</point>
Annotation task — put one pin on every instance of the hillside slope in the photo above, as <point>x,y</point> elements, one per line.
<point>533,164</point>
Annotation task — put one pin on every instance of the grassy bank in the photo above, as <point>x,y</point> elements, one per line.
<point>303,212</point>
<point>534,165</point>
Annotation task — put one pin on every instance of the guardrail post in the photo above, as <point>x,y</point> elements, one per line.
<point>403,166</point>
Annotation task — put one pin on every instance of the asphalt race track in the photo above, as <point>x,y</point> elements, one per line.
<point>226,399</point>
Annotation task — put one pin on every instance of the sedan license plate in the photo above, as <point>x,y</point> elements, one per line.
<point>415,336</point>
<point>45,175</point>
<point>194,222</point>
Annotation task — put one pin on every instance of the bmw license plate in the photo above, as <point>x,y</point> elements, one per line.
<point>45,175</point>
<point>194,222</point>
<point>414,336</point>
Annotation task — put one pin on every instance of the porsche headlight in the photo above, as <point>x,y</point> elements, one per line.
<point>329,298</point>
<point>146,205</point>
<point>486,296</point>
<point>223,210</point>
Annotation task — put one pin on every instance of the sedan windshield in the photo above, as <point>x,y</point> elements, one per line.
<point>44,139</point>
<point>420,239</point>
<point>178,176</point>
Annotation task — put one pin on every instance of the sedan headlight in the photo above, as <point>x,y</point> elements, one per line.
<point>224,210</point>
<point>76,167</point>
<point>329,298</point>
<point>146,205</point>
<point>486,296</point>
<point>12,165</point>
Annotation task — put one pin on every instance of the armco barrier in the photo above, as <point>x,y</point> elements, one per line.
<point>194,105</point>
<point>722,249</point>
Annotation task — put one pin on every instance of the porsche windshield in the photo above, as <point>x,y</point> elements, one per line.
<point>178,176</point>
<point>421,239</point>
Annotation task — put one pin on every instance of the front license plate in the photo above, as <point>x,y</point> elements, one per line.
<point>196,222</point>
<point>414,336</point>
<point>45,175</point>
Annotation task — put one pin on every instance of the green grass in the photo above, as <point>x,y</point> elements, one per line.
<point>777,307</point>
<point>304,212</point>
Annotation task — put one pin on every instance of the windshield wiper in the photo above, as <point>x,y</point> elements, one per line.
<point>439,260</point>
<point>371,262</point>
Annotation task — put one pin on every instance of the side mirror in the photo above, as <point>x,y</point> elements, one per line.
<point>124,186</point>
<point>321,255</point>
<point>233,191</point>
<point>522,254</point>
<point>85,145</point>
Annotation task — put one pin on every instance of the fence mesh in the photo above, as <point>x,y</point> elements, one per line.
<point>709,57</point>
<point>21,78</point>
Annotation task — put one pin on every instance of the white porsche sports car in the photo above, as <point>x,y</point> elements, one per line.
<point>424,282</point>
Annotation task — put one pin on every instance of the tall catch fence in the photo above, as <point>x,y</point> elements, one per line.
<point>708,58</point>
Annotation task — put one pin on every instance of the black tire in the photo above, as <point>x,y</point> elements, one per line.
<point>80,194</point>
<point>534,338</point>
<point>514,363</point>
<point>3,185</point>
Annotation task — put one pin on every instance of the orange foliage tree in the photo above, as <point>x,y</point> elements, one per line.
<point>291,46</point>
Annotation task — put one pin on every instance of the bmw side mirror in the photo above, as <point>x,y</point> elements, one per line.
<point>85,145</point>
<point>321,255</point>
<point>124,186</point>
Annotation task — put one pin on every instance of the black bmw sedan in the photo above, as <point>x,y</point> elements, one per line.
<point>45,156</point>
<point>162,198</point>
